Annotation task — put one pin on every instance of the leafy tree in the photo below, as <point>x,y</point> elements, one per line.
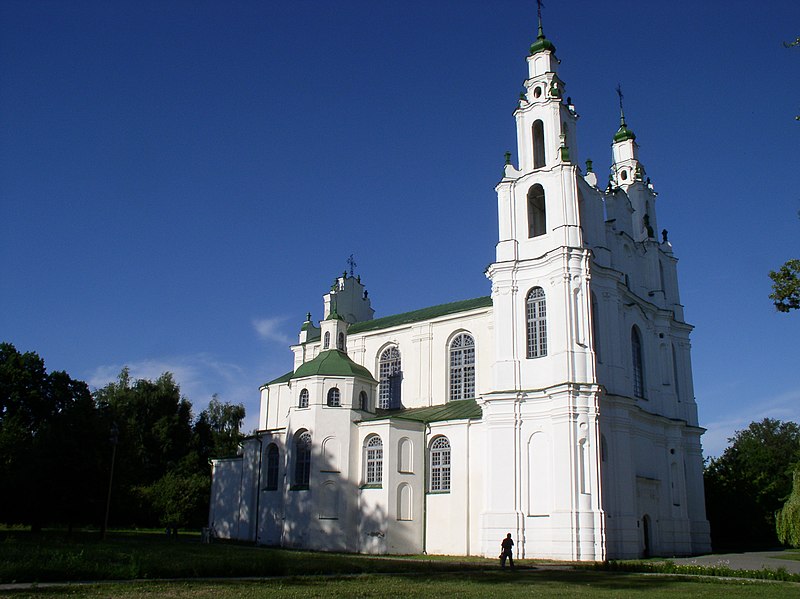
<point>786,286</point>
<point>179,498</point>
<point>48,438</point>
<point>223,421</point>
<point>749,482</point>
<point>155,436</point>
<point>787,521</point>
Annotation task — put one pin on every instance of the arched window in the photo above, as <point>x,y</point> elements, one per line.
<point>537,216</point>
<point>638,363</point>
<point>303,403</point>
<point>327,340</point>
<point>373,460</point>
<point>440,465</point>
<point>536,314</point>
<point>675,373</point>
<point>538,144</point>
<point>390,378</point>
<point>340,342</point>
<point>363,401</point>
<point>462,367</point>
<point>273,460</point>
<point>302,459</point>
<point>595,327</point>
<point>334,398</point>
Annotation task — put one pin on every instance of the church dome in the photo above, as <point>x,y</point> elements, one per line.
<point>332,363</point>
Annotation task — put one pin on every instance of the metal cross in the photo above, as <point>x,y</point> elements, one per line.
<point>352,264</point>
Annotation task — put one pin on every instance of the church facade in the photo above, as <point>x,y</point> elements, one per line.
<point>560,408</point>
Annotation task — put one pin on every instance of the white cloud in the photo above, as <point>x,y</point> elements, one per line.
<point>199,376</point>
<point>269,329</point>
<point>780,407</point>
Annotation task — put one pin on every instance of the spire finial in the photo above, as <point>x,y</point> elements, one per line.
<point>539,6</point>
<point>352,263</point>
<point>621,110</point>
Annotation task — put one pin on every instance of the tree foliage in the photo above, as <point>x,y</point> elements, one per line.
<point>48,431</point>
<point>787,521</point>
<point>786,286</point>
<point>749,482</point>
<point>56,448</point>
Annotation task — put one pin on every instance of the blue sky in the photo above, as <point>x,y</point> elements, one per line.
<point>181,181</point>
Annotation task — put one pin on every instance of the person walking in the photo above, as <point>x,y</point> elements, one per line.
<point>506,546</point>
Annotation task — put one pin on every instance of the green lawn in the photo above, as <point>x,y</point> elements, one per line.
<point>55,557</point>
<point>566,584</point>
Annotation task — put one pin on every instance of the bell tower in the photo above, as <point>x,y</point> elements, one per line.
<point>541,417</point>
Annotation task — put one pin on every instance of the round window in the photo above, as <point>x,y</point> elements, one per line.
<point>537,92</point>
<point>624,175</point>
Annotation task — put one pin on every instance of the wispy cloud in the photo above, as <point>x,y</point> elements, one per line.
<point>199,376</point>
<point>782,406</point>
<point>269,329</point>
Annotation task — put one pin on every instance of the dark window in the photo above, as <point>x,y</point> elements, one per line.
<point>391,376</point>
<point>303,403</point>
<point>363,401</point>
<point>327,341</point>
<point>538,144</point>
<point>302,459</point>
<point>537,216</point>
<point>334,398</point>
<point>340,342</point>
<point>638,363</point>
<point>273,459</point>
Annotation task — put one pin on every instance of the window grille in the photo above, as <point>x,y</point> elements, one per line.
<point>462,367</point>
<point>536,323</point>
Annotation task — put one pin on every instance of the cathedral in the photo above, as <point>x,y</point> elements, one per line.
<point>559,409</point>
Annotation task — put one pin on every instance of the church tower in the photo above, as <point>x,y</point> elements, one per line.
<point>541,417</point>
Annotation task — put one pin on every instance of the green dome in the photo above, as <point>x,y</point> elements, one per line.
<point>332,363</point>
<point>624,134</point>
<point>541,44</point>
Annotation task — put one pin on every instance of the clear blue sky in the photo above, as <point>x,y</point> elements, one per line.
<point>181,181</point>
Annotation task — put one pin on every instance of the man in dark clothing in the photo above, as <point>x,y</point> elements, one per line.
<point>506,545</point>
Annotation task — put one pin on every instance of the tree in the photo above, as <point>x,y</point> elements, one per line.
<point>787,521</point>
<point>49,431</point>
<point>786,286</point>
<point>749,482</point>
<point>224,421</point>
<point>155,437</point>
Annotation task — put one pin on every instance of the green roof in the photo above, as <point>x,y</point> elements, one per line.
<point>281,379</point>
<point>542,43</point>
<point>332,363</point>
<point>624,134</point>
<point>466,409</point>
<point>420,315</point>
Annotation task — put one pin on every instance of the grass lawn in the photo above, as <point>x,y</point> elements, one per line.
<point>536,583</point>
<point>790,554</point>
<point>55,557</point>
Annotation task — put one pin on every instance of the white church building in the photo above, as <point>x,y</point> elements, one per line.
<point>560,408</point>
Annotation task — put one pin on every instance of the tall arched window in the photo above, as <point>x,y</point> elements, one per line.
<point>303,403</point>
<point>340,342</point>
<point>363,401</point>
<point>675,376</point>
<point>638,363</point>
<point>537,216</point>
<point>536,315</point>
<point>302,459</point>
<point>273,459</point>
<point>326,343</point>
<point>538,144</point>
<point>440,465</point>
<point>391,375</point>
<point>373,460</point>
<point>595,327</point>
<point>334,398</point>
<point>462,367</point>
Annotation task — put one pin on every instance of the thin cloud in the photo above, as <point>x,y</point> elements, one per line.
<point>780,407</point>
<point>269,329</point>
<point>199,376</point>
